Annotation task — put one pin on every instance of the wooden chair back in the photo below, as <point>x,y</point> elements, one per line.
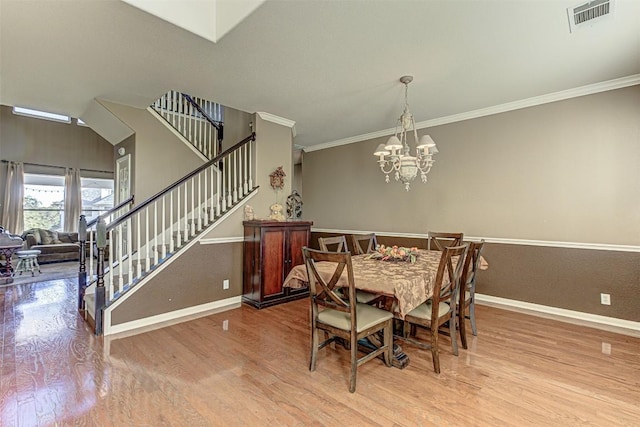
<point>446,270</point>
<point>440,240</point>
<point>428,315</point>
<point>364,243</point>
<point>326,293</point>
<point>466,302</point>
<point>333,244</point>
<point>334,310</point>
<point>469,271</point>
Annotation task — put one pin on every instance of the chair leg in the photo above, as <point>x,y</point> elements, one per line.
<point>314,349</point>
<point>406,326</point>
<point>472,317</point>
<point>354,365</point>
<point>462,325</point>
<point>434,350</point>
<point>388,342</point>
<point>453,334</point>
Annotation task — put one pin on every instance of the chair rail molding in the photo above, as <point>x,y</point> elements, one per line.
<point>524,242</point>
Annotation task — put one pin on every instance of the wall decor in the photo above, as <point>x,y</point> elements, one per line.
<point>294,205</point>
<point>277,178</point>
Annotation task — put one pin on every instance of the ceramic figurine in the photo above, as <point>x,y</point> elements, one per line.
<point>248,213</point>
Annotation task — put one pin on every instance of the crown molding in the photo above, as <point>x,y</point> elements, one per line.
<point>277,120</point>
<point>502,108</point>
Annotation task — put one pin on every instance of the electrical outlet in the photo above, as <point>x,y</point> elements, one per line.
<point>605,299</point>
<point>606,348</point>
<point>225,284</point>
<point>225,326</point>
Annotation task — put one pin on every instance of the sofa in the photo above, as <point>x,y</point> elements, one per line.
<point>53,245</point>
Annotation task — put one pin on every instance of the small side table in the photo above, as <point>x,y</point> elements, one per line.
<point>27,261</point>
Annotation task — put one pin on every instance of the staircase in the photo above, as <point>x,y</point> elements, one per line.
<point>135,245</point>
<point>198,120</point>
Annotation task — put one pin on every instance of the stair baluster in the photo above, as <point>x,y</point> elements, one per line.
<point>152,232</point>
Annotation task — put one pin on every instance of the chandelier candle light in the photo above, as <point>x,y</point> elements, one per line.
<point>395,155</point>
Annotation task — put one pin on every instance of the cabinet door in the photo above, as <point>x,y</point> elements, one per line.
<point>251,260</point>
<point>298,238</point>
<point>273,262</point>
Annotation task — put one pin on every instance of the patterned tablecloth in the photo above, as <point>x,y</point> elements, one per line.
<point>410,284</point>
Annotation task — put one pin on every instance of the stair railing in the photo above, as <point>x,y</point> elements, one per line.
<point>198,120</point>
<point>146,236</point>
<point>86,239</point>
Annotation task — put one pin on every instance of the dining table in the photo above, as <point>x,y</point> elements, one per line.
<point>405,284</point>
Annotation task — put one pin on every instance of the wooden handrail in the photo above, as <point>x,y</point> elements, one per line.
<point>110,211</point>
<point>215,124</point>
<point>151,199</point>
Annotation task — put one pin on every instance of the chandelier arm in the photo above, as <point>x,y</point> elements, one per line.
<point>383,163</point>
<point>423,168</point>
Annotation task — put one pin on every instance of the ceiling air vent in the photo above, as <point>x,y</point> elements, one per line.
<point>587,14</point>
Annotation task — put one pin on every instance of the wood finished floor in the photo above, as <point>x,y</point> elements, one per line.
<point>520,370</point>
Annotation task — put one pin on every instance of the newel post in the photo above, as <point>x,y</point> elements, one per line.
<point>101,243</point>
<point>82,272</point>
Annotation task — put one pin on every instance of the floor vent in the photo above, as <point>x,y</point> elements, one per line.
<point>587,14</point>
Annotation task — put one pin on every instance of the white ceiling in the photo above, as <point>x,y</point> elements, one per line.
<point>330,66</point>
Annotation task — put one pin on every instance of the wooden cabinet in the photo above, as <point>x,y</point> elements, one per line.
<point>271,249</point>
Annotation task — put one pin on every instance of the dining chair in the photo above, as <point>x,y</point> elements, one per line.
<point>467,298</point>
<point>339,315</point>
<point>339,244</point>
<point>440,309</point>
<point>333,244</point>
<point>441,240</point>
<point>367,241</point>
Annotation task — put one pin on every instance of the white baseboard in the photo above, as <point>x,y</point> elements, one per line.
<point>166,319</point>
<point>611,324</point>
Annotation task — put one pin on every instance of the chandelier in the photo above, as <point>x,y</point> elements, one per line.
<point>394,156</point>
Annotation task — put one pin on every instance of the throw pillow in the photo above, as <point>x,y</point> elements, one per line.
<point>35,232</point>
<point>48,237</point>
<point>65,238</point>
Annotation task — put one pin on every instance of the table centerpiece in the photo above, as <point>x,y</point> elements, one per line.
<point>394,254</point>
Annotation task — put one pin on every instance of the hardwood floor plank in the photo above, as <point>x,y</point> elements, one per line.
<point>250,367</point>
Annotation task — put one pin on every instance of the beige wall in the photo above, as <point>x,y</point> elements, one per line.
<point>196,276</point>
<point>565,171</point>
<point>193,279</point>
<point>160,157</point>
<point>26,139</point>
<point>30,140</point>
<point>297,178</point>
<point>273,148</point>
<point>236,126</point>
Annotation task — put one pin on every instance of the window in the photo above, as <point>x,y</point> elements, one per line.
<point>28,112</point>
<point>97,197</point>
<point>44,200</point>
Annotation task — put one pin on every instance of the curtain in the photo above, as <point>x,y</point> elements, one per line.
<point>72,199</point>
<point>12,209</point>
